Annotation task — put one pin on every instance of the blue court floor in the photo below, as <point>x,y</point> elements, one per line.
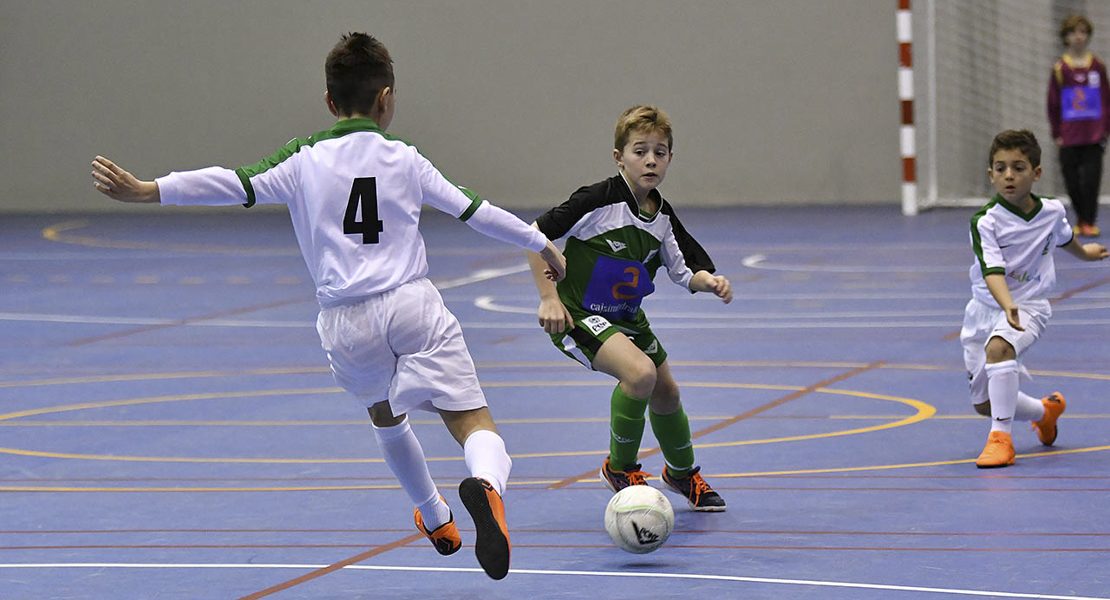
<point>169,429</point>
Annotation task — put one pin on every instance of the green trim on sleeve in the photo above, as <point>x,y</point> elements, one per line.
<point>475,202</point>
<point>340,129</point>
<point>977,241</point>
<point>246,180</point>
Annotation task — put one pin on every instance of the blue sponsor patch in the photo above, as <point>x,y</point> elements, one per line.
<point>616,288</point>
<point>1080,103</point>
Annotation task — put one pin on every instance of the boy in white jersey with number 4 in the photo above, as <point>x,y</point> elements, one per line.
<point>389,338</point>
<point>1013,237</point>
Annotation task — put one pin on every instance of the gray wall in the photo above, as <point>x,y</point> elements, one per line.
<point>773,101</point>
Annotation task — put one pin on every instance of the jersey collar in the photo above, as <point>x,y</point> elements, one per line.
<point>630,200</point>
<point>1037,205</point>
<point>1080,63</point>
<point>345,126</point>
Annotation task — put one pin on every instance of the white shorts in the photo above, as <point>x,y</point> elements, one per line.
<point>983,322</point>
<point>404,346</point>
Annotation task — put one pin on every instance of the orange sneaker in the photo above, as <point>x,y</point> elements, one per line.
<point>488,511</point>
<point>445,538</point>
<point>999,451</point>
<point>1054,406</point>
<point>1087,230</point>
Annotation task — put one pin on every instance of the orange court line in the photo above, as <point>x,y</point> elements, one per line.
<point>333,567</point>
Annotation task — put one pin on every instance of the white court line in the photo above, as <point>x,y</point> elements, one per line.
<point>759,261</point>
<point>95,320</point>
<point>488,303</point>
<point>719,322</point>
<point>481,275</point>
<point>656,324</point>
<point>625,574</point>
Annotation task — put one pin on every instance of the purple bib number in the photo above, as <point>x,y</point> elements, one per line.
<point>616,288</point>
<point>1080,103</point>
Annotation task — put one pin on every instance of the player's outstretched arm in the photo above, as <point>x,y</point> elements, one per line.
<point>113,181</point>
<point>553,315</point>
<point>556,263</point>
<point>996,283</point>
<point>1090,251</point>
<point>704,281</point>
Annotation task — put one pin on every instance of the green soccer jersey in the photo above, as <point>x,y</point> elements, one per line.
<point>613,250</point>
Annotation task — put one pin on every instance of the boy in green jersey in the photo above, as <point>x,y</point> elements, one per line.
<point>620,231</point>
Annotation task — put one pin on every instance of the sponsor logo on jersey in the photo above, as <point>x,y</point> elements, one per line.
<point>1023,277</point>
<point>596,323</point>
<point>616,246</point>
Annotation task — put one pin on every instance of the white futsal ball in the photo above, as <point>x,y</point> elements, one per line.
<point>639,518</point>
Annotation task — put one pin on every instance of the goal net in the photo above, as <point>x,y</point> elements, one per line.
<point>979,67</point>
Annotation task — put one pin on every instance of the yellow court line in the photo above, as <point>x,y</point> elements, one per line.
<point>159,399</point>
<point>923,412</point>
<point>160,376</point>
<point>906,465</point>
<point>540,482</point>
<point>494,365</point>
<point>57,233</point>
<point>953,417</point>
<point>314,488</point>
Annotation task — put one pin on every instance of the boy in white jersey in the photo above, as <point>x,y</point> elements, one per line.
<point>620,231</point>
<point>389,338</point>
<point>1013,237</point>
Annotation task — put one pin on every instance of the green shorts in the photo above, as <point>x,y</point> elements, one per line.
<point>590,332</point>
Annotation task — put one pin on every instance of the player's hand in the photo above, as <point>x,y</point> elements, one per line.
<point>1013,317</point>
<point>114,182</point>
<point>1095,251</point>
<point>554,316</point>
<point>704,281</point>
<point>721,287</point>
<point>556,262</point>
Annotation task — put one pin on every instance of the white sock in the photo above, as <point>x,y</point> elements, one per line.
<point>1002,387</point>
<point>405,458</point>
<point>486,457</point>
<point>1028,408</point>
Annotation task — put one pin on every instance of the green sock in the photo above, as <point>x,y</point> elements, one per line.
<point>673,433</point>
<point>626,424</point>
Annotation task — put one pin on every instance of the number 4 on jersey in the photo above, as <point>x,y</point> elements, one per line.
<point>364,195</point>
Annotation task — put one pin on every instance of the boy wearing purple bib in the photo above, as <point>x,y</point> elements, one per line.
<point>620,232</point>
<point>1079,115</point>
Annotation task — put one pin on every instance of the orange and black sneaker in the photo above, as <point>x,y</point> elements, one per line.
<point>618,480</point>
<point>697,492</point>
<point>488,511</point>
<point>445,538</point>
<point>999,451</point>
<point>1054,406</point>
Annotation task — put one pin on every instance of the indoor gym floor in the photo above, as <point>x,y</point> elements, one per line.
<point>169,429</point>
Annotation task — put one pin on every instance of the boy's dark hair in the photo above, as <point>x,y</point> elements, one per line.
<point>357,68</point>
<point>1072,23</point>
<point>1022,140</point>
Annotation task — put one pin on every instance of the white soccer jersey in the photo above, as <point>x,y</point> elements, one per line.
<point>354,195</point>
<point>1018,245</point>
